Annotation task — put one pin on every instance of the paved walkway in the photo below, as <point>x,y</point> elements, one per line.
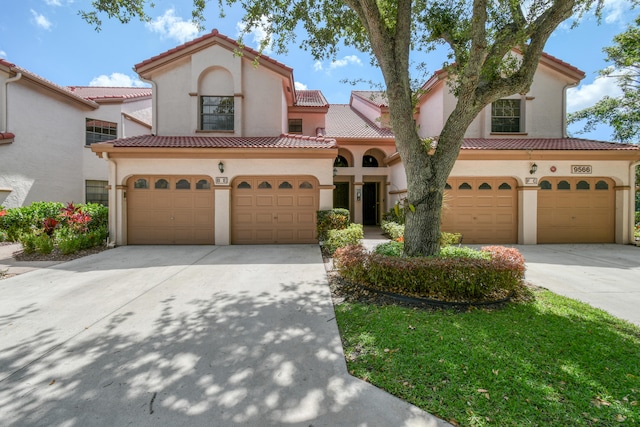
<point>182,335</point>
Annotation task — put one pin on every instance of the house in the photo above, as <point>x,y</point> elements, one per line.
<point>46,132</point>
<point>237,155</point>
<point>231,158</point>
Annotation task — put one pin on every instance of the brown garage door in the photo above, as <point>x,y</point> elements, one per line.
<point>576,210</point>
<point>170,210</point>
<point>274,209</point>
<point>484,210</point>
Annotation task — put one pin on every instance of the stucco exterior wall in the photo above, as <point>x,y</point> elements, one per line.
<point>368,110</point>
<point>259,105</point>
<point>430,119</point>
<point>44,162</point>
<point>310,122</point>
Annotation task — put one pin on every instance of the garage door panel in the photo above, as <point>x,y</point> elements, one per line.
<point>286,201</point>
<point>576,216</point>
<point>281,213</point>
<point>244,200</point>
<point>162,214</point>
<point>263,218</point>
<point>484,210</point>
<point>264,201</point>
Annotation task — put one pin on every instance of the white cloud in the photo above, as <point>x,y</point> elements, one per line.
<point>171,26</point>
<point>41,20</point>
<point>258,35</point>
<point>53,2</point>
<point>587,95</point>
<point>300,86</point>
<point>615,10</point>
<point>338,63</point>
<point>3,54</point>
<point>117,80</point>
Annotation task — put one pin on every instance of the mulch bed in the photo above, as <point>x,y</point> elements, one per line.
<point>56,255</point>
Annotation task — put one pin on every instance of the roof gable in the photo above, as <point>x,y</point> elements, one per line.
<point>202,42</point>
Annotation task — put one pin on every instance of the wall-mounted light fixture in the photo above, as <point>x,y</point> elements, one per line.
<point>534,168</point>
<point>221,167</point>
<point>358,194</point>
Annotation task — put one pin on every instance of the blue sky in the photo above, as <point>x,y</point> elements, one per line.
<point>48,37</point>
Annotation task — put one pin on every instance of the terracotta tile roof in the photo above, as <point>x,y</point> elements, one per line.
<point>377,98</point>
<point>563,64</point>
<point>310,98</point>
<point>212,35</point>
<point>344,121</point>
<point>47,83</point>
<point>542,144</point>
<point>282,141</point>
<point>96,93</point>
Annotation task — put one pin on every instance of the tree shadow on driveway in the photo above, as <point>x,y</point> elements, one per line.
<point>197,348</point>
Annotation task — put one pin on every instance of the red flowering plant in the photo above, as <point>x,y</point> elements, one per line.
<point>49,225</point>
<point>74,218</point>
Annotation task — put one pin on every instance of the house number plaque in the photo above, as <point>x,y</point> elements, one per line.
<point>222,180</point>
<point>581,169</point>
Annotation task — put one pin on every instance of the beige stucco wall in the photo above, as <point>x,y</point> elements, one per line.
<point>259,105</point>
<point>44,163</point>
<point>368,110</point>
<point>122,169</point>
<point>310,122</point>
<point>543,107</point>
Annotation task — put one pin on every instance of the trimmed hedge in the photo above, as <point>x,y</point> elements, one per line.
<point>352,235</point>
<point>442,278</point>
<point>333,219</point>
<point>396,231</point>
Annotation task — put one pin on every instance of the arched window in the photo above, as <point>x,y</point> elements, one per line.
<point>285,185</point>
<point>183,184</point>
<point>564,185</point>
<point>203,184</point>
<point>340,162</point>
<point>464,186</point>
<point>484,186</point>
<point>264,185</point>
<point>545,185</point>
<point>447,186</point>
<point>244,184</point>
<point>602,185</point>
<point>369,161</point>
<point>162,184</point>
<point>504,186</point>
<point>306,185</point>
<point>583,185</point>
<point>141,183</point>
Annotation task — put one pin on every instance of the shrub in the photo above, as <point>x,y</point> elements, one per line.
<point>352,235</point>
<point>463,252</point>
<point>393,229</point>
<point>472,277</point>
<point>44,243</point>
<point>448,239</point>
<point>334,219</point>
<point>351,262</point>
<point>395,214</point>
<point>28,241</point>
<point>392,248</point>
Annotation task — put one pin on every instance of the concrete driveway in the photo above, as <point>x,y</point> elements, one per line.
<point>604,276</point>
<point>186,335</point>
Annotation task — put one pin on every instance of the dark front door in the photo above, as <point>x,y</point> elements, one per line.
<point>370,203</point>
<point>341,195</point>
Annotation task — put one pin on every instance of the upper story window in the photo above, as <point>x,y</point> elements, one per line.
<point>295,125</point>
<point>505,116</point>
<point>99,130</point>
<point>216,113</point>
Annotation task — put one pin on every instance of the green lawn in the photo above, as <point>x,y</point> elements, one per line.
<point>550,362</point>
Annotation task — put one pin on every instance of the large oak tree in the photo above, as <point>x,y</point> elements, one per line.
<point>479,33</point>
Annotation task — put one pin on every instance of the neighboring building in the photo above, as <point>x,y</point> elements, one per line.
<point>46,131</point>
